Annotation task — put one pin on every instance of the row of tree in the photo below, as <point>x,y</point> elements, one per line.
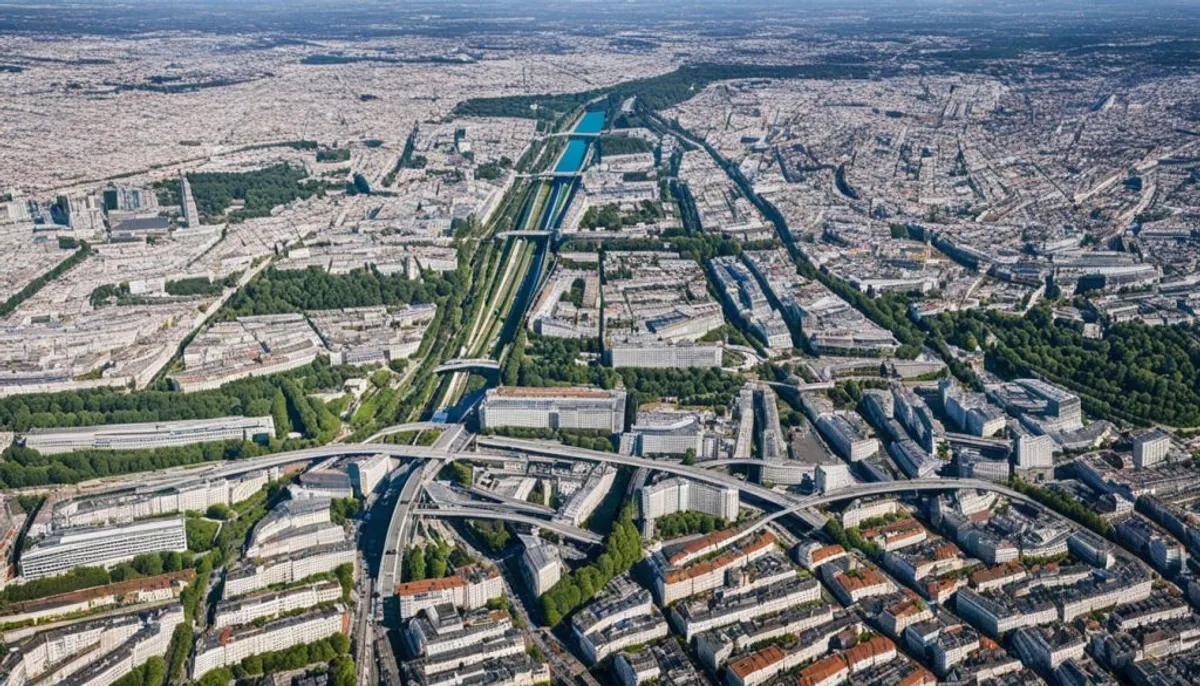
<point>622,550</point>
<point>688,522</point>
<point>277,292</point>
<point>250,397</point>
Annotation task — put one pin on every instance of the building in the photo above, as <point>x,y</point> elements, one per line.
<point>668,433</point>
<point>833,477</point>
<point>367,472</point>
<point>149,435</point>
<point>1033,452</point>
<point>584,501</point>
<point>249,608</point>
<point>102,546</point>
<point>848,436</point>
<point>677,495</point>
<point>541,564</point>
<point>289,516</point>
<point>1045,648</point>
<point>469,588</point>
<point>253,575</point>
<point>673,583</point>
<point>554,408</point>
<point>230,646</point>
<point>653,353</point>
<point>1150,448</point>
<point>197,496</point>
<point>665,663</point>
<point>152,638</point>
<point>621,616</point>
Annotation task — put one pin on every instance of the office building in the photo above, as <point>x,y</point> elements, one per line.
<point>554,408</point>
<point>833,477</point>
<point>254,575</point>
<point>584,501</point>
<point>1033,452</point>
<point>668,433</point>
<point>149,435</point>
<point>102,546</point>
<point>654,353</point>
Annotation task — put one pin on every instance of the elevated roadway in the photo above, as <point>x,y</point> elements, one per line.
<point>564,530</point>
<point>464,364</point>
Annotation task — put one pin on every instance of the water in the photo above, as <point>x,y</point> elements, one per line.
<point>572,158</point>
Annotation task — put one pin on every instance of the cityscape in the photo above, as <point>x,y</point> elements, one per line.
<point>660,343</point>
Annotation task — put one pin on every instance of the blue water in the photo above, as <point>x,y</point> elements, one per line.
<point>572,158</point>
<point>591,122</point>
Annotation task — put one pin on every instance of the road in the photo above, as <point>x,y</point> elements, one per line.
<point>564,530</point>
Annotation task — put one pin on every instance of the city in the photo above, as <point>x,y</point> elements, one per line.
<point>635,344</point>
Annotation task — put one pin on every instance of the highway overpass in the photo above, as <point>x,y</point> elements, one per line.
<point>564,530</point>
<point>462,365</point>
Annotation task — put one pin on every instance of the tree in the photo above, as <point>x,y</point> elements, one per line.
<point>414,563</point>
<point>279,414</point>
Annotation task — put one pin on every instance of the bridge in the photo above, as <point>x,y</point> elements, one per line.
<point>464,364</point>
<point>564,530</point>
<point>978,441</point>
<point>525,234</point>
<point>513,503</point>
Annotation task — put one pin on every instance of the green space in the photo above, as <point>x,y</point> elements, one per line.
<point>149,673</point>
<point>490,171</point>
<point>201,285</point>
<point>259,191</point>
<point>591,439</point>
<point>1136,373</point>
<point>655,93</point>
<point>436,560</point>
<point>342,509</point>
<point>611,218</point>
<point>623,145</point>
<point>622,549</point>
<point>688,522</point>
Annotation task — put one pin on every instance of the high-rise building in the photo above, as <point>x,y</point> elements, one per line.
<point>676,495</point>
<point>1150,448</point>
<point>1033,452</point>
<point>832,477</point>
<point>367,472</point>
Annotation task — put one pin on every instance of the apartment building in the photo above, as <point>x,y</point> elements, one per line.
<point>252,575</point>
<point>469,588</point>
<point>230,646</point>
<point>246,609</point>
<point>677,495</point>
<point>107,547</point>
<point>367,472</point>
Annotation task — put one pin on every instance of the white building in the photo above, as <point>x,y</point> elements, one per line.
<point>584,501</point>
<point>253,575</point>
<point>102,546</point>
<point>668,433</point>
<point>833,477</point>
<point>1150,448</point>
<point>246,610</point>
<point>554,408</point>
<point>149,435</point>
<point>541,564</point>
<point>653,353</point>
<point>229,646</point>
<point>677,495</point>
<point>367,472</point>
<point>1033,452</point>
